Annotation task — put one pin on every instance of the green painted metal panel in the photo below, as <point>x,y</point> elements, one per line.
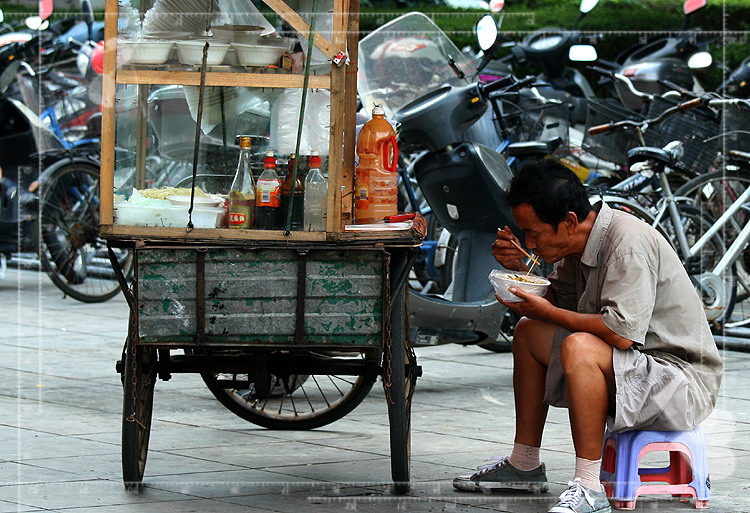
<point>252,295</point>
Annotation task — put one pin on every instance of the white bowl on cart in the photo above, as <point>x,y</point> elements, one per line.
<point>191,52</point>
<point>145,51</point>
<point>257,55</point>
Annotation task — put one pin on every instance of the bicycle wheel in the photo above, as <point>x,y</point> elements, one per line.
<point>293,400</point>
<point>714,193</point>
<point>71,251</point>
<point>139,379</point>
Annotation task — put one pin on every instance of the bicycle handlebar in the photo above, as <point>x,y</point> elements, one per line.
<point>629,123</point>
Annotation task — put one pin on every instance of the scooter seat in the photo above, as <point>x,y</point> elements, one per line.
<point>541,148</point>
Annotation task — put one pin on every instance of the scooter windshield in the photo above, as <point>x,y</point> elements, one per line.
<point>404,60</point>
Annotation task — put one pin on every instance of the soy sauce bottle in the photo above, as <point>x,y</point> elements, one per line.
<point>298,207</point>
<point>268,196</point>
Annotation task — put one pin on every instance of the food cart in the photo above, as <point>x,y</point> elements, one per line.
<point>288,328</point>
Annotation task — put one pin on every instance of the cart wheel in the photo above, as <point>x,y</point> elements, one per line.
<point>295,401</point>
<point>399,407</point>
<point>139,379</point>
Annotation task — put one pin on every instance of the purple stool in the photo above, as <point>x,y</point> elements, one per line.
<point>686,476</point>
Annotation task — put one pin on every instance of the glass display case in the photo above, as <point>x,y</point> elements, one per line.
<point>185,78</point>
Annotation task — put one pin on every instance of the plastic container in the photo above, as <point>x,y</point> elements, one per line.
<point>504,280</point>
<point>376,191</point>
<point>175,216</point>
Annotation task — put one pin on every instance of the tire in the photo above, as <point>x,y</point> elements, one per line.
<point>399,406</point>
<point>71,251</point>
<point>139,379</point>
<point>295,401</point>
<point>714,193</point>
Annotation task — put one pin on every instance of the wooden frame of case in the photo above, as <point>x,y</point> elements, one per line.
<point>341,82</point>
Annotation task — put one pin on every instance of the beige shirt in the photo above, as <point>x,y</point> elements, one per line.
<point>631,275</point>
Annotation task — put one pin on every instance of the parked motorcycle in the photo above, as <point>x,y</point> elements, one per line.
<point>413,70</point>
<point>49,194</point>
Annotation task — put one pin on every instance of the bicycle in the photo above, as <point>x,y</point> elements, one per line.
<point>693,232</point>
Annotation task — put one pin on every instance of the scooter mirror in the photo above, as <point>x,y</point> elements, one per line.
<point>693,5</point>
<point>36,23</point>
<point>87,11</point>
<point>486,31</point>
<point>587,5</point>
<point>700,60</point>
<point>582,53</point>
<point>2,16</point>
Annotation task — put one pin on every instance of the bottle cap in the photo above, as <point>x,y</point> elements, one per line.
<point>315,160</point>
<point>270,160</point>
<point>245,141</point>
<point>378,110</point>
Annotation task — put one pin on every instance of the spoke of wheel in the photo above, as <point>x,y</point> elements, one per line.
<point>304,392</point>
<point>322,394</point>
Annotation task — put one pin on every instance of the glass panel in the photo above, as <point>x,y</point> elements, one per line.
<point>242,35</point>
<point>162,158</point>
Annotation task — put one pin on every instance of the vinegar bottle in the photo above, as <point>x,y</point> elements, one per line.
<point>268,196</point>
<point>242,192</point>
<point>316,196</point>
<point>298,190</point>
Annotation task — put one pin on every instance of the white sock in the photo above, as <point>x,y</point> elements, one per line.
<point>524,457</point>
<point>588,472</point>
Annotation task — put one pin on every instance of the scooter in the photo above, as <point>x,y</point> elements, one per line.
<point>411,68</point>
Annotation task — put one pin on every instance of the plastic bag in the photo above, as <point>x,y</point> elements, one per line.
<point>285,121</point>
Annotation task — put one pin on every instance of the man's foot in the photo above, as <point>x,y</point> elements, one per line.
<point>581,499</point>
<point>501,476</point>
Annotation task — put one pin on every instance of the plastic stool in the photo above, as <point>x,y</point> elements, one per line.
<point>686,476</point>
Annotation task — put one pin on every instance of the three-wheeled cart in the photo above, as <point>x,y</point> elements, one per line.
<point>288,328</point>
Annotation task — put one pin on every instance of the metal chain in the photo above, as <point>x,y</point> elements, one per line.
<point>387,337</point>
<point>133,374</point>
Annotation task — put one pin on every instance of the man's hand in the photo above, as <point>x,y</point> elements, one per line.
<point>532,306</point>
<point>506,253</point>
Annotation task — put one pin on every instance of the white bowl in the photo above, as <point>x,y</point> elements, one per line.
<point>145,51</point>
<point>502,281</point>
<point>257,55</point>
<point>191,52</point>
<point>247,34</point>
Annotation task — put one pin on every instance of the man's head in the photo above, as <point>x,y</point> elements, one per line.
<point>549,204</point>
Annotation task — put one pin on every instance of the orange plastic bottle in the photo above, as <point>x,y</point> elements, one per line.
<point>378,138</point>
<point>376,191</point>
<point>376,179</point>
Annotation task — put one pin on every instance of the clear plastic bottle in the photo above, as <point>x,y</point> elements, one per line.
<point>268,196</point>
<point>316,196</point>
<point>242,193</point>
<point>298,206</point>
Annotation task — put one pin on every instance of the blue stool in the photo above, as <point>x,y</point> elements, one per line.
<point>686,476</point>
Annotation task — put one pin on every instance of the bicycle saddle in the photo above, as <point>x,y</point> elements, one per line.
<point>642,153</point>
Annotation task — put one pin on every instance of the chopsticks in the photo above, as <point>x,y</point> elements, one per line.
<point>525,252</point>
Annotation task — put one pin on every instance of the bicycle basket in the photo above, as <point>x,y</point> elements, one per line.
<point>694,128</point>
<point>527,120</point>
<point>611,146</point>
<point>736,128</point>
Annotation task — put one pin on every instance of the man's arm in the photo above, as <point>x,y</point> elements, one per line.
<point>536,307</point>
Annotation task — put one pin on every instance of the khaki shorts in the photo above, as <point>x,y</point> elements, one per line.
<point>651,392</point>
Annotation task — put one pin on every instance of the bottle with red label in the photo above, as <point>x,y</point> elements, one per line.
<point>376,179</point>
<point>241,211</point>
<point>268,215</point>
